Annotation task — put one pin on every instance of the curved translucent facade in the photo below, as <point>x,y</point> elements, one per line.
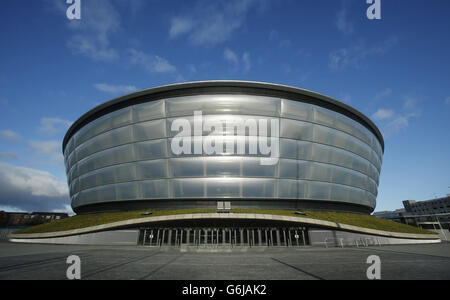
<point>124,157</point>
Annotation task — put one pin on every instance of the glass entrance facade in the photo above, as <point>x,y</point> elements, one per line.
<point>224,236</point>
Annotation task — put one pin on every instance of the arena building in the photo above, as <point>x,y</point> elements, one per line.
<point>273,147</point>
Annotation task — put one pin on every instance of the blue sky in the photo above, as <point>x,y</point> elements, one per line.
<point>53,70</point>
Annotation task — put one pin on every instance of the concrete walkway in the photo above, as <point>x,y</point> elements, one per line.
<point>26,261</point>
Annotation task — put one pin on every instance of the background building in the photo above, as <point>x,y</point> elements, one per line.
<point>428,207</point>
<point>14,219</point>
<point>118,155</point>
<point>431,214</point>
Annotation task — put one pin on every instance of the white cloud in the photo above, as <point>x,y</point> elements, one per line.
<point>52,126</point>
<point>9,135</point>
<point>382,114</point>
<point>180,26</point>
<point>447,101</point>
<point>192,69</point>
<point>231,56</point>
<point>398,123</point>
<point>30,189</point>
<point>392,122</point>
<point>409,103</point>
<point>237,63</point>
<point>65,209</point>
<point>92,34</point>
<point>356,54</point>
<point>342,22</point>
<point>85,45</point>
<point>115,89</point>
<point>49,149</point>
<point>152,63</point>
<point>383,94</point>
<point>215,21</point>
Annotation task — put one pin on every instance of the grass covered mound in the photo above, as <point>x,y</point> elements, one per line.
<point>360,220</point>
<point>89,220</point>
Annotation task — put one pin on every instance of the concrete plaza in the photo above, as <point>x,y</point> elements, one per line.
<point>28,261</point>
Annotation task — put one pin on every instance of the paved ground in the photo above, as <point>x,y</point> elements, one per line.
<point>24,261</point>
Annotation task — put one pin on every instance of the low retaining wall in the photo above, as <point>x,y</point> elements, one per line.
<point>335,238</point>
<point>104,238</point>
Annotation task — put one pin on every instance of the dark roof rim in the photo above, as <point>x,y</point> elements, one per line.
<point>157,92</point>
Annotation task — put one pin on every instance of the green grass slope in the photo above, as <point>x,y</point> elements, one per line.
<point>83,221</point>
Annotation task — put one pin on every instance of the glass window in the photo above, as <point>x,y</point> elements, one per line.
<point>356,195</point>
<point>341,175</point>
<point>70,146</point>
<point>296,130</point>
<point>372,186</point>
<point>74,187</point>
<point>359,180</point>
<point>340,192</point>
<point>187,188</point>
<point>72,159</point>
<point>296,149</point>
<point>321,153</point>
<point>321,172</point>
<point>151,149</point>
<point>91,129</point>
<point>342,140</point>
<point>360,164</point>
<point>288,169</point>
<point>293,169</point>
<point>223,187</point>
<point>127,191</point>
<point>288,148</point>
<point>324,116</point>
<point>106,140</point>
<point>116,155</point>
<point>297,110</point>
<point>104,123</point>
<point>223,104</point>
<point>152,169</point>
<point>75,200</point>
<point>345,124</point>
<point>318,190</point>
<point>120,117</point>
<point>342,158</point>
<point>187,167</point>
<point>71,172</point>
<point>329,136</point>
<point>288,189</point>
<point>149,111</point>
<point>258,188</point>
<point>150,130</point>
<point>223,166</point>
<point>154,189</point>
<point>253,168</point>
<point>93,179</point>
<point>126,172</point>
<point>109,175</point>
<point>103,193</point>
